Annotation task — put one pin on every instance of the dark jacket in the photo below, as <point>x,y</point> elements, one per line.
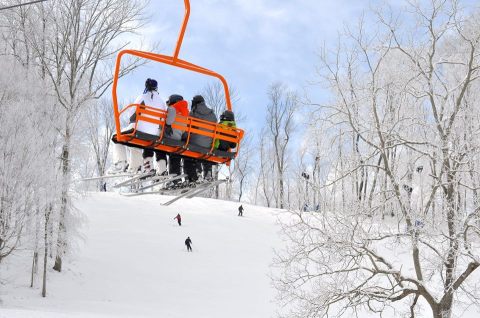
<point>201,111</point>
<point>188,241</point>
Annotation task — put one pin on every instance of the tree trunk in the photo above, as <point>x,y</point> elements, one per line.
<point>62,229</point>
<point>282,191</point>
<point>101,172</point>
<point>215,177</point>
<point>45,257</point>
<point>34,267</point>
<point>444,309</point>
<point>45,253</point>
<point>240,194</point>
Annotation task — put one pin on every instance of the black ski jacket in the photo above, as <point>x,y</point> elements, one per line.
<point>201,111</point>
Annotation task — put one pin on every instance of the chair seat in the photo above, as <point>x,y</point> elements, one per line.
<point>172,142</point>
<point>199,149</point>
<point>145,136</point>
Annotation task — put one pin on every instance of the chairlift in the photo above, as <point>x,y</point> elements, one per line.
<point>188,125</point>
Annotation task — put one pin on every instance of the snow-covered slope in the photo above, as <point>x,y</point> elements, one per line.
<point>133,263</point>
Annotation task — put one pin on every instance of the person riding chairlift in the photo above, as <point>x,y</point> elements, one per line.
<point>227,120</point>
<point>177,107</point>
<point>194,167</point>
<point>151,98</point>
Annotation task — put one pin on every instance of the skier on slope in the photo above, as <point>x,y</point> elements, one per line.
<point>151,98</point>
<point>201,111</point>
<point>188,243</point>
<point>179,219</point>
<point>240,210</point>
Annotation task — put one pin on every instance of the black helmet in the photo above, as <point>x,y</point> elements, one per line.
<point>150,85</point>
<point>197,100</point>
<point>174,99</point>
<point>227,115</point>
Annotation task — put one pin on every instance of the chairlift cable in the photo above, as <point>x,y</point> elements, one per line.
<point>21,4</point>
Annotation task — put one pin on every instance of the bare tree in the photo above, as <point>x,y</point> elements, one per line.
<point>406,101</point>
<point>214,95</point>
<point>100,129</point>
<point>243,165</point>
<point>265,175</point>
<point>280,122</point>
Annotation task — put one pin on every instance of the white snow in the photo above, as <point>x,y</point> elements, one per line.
<point>133,263</point>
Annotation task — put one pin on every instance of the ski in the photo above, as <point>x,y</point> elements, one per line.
<point>162,192</point>
<point>109,176</point>
<point>190,193</point>
<point>204,187</point>
<point>180,196</point>
<point>161,180</point>
<point>134,194</point>
<point>130,181</point>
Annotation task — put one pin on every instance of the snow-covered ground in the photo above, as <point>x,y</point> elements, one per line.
<point>133,263</point>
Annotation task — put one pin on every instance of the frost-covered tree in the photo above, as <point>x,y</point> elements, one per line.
<point>403,139</point>
<point>100,128</point>
<point>275,142</point>
<point>74,43</point>
<point>214,95</point>
<point>243,165</point>
<point>28,179</point>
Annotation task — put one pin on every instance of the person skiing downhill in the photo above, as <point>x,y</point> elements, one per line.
<point>188,243</point>
<point>179,219</point>
<point>240,210</point>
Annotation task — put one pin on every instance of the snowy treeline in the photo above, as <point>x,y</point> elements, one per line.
<point>29,168</point>
<point>56,61</point>
<point>398,174</point>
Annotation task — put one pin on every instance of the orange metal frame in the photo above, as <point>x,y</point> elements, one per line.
<point>190,125</point>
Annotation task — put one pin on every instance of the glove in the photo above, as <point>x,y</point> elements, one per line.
<point>168,130</point>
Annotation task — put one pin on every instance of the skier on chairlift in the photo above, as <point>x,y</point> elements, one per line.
<point>227,120</point>
<point>151,98</point>
<point>194,167</point>
<point>177,108</point>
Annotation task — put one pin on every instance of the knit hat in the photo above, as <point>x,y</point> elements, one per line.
<point>174,99</point>
<point>150,85</point>
<point>197,100</point>
<point>227,115</point>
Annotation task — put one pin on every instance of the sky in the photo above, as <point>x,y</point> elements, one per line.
<point>252,43</point>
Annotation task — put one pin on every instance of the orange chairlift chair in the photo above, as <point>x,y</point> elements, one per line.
<point>187,124</point>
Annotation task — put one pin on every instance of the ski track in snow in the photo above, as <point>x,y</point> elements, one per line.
<point>133,263</point>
